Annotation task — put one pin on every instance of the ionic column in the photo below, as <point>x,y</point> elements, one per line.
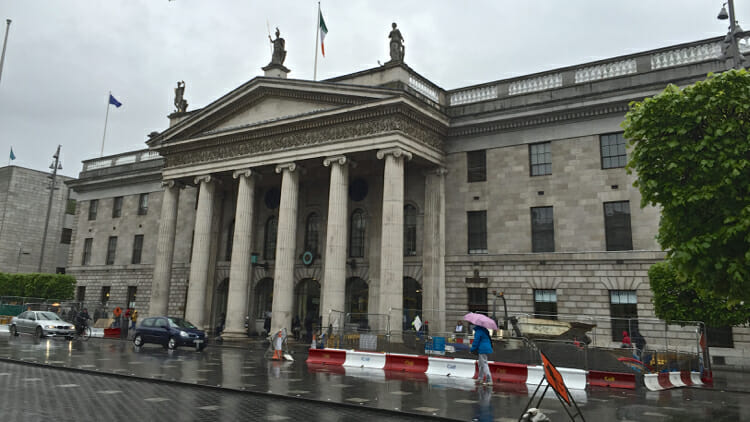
<point>334,270</point>
<point>392,240</point>
<point>283,279</point>
<point>240,269</point>
<point>433,249</point>
<point>195,310</point>
<point>159,303</point>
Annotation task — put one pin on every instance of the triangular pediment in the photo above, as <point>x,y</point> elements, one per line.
<point>270,108</point>
<point>262,101</point>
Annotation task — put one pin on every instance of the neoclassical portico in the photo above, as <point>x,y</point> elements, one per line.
<point>383,137</point>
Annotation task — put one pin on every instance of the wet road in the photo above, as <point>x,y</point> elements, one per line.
<point>245,369</point>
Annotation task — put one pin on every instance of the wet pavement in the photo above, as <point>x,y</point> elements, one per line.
<point>245,370</point>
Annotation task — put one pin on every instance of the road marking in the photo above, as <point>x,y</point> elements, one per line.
<point>209,408</point>
<point>32,379</point>
<point>357,400</point>
<point>464,401</point>
<point>400,393</point>
<point>68,385</point>
<point>156,399</point>
<point>426,409</point>
<point>109,392</point>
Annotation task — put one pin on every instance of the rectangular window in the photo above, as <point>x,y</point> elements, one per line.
<point>540,159</point>
<point>60,270</point>
<point>81,294</point>
<point>93,207</point>
<point>67,235</point>
<point>720,337</point>
<point>477,227</point>
<point>105,295</point>
<point>143,204</point>
<point>476,166</point>
<point>545,303</point>
<point>623,308</point>
<point>613,150</point>
<point>132,290</point>
<point>542,230</point>
<point>86,258</point>
<point>617,226</point>
<point>70,207</point>
<point>111,250</point>
<point>478,299</point>
<point>117,207</point>
<point>137,249</point>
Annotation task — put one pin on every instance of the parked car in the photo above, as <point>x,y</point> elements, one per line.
<point>41,324</point>
<point>170,332</point>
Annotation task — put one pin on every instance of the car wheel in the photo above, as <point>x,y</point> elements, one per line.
<point>138,340</point>
<point>39,333</point>
<point>13,330</point>
<point>172,343</point>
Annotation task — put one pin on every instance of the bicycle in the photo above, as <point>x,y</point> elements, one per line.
<point>82,333</point>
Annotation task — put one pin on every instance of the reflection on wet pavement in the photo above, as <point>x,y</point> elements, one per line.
<point>245,369</point>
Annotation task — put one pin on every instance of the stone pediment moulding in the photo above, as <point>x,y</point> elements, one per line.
<point>263,141</point>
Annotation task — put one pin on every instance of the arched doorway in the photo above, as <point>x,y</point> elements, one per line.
<point>307,308</point>
<point>263,297</point>
<point>220,303</point>
<point>412,301</point>
<point>355,304</point>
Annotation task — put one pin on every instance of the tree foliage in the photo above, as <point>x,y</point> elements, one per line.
<point>38,285</point>
<point>677,299</point>
<point>691,156</point>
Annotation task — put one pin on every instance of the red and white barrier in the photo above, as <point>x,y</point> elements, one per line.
<point>365,360</point>
<point>667,380</point>
<point>450,367</point>
<point>575,379</point>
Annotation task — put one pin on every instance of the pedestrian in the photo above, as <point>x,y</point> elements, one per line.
<point>482,346</point>
<point>133,319</point>
<point>640,343</point>
<point>267,324</point>
<point>626,343</point>
<point>308,327</point>
<point>296,327</point>
<point>460,329</point>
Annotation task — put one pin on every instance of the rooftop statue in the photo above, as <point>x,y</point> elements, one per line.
<point>279,54</point>
<point>180,102</point>
<point>397,44</point>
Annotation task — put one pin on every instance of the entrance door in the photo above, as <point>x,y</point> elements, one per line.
<point>357,294</point>
<point>412,301</point>
<point>307,296</point>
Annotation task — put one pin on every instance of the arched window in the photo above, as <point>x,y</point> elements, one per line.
<point>357,228</point>
<point>269,241</point>
<point>410,230</point>
<point>312,233</point>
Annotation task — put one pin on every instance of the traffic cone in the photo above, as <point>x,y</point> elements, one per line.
<point>313,345</point>
<point>276,355</point>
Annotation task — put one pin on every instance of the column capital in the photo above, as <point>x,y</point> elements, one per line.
<point>437,171</point>
<point>396,152</point>
<point>205,178</point>
<point>340,159</point>
<point>291,167</point>
<point>172,183</point>
<point>247,173</point>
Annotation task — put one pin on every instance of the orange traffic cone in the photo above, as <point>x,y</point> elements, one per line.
<point>313,345</point>
<point>276,355</point>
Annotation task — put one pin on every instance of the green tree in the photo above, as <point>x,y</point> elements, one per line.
<point>691,155</point>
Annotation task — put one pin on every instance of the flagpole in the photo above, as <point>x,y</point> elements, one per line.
<point>5,43</point>
<point>317,34</point>
<point>106,116</point>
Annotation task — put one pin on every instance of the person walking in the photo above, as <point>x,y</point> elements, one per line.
<point>133,319</point>
<point>482,346</point>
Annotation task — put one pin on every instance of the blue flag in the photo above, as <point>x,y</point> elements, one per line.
<point>113,101</point>
<point>12,156</point>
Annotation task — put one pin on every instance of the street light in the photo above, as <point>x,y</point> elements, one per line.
<point>55,166</point>
<point>730,41</point>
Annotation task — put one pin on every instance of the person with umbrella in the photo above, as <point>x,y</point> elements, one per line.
<point>482,344</point>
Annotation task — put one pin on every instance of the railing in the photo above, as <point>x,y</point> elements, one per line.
<point>424,88</point>
<point>637,63</point>
<point>120,159</point>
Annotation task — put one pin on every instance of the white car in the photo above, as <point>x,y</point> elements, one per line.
<point>41,324</point>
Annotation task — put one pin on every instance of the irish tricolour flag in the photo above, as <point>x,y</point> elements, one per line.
<point>323,31</point>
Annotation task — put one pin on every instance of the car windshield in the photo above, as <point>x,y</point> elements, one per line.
<point>180,323</point>
<point>51,316</point>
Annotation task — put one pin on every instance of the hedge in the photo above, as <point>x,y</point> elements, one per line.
<point>45,286</point>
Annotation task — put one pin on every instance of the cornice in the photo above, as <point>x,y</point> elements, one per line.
<point>390,118</point>
<point>538,120</point>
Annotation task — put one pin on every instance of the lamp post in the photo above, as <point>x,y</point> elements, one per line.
<point>5,43</point>
<point>731,49</point>
<point>54,166</point>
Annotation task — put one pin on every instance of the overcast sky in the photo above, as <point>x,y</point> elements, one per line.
<point>63,57</point>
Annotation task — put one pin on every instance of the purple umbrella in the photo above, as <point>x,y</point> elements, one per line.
<point>481,320</point>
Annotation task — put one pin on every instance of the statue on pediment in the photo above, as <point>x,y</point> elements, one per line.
<point>279,54</point>
<point>179,102</point>
<point>397,44</point>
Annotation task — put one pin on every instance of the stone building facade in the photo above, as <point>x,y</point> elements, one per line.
<point>382,195</point>
<point>24,200</point>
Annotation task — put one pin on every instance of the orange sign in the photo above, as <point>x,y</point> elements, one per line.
<point>555,379</point>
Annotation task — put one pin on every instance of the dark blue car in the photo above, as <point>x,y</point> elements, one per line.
<point>170,332</point>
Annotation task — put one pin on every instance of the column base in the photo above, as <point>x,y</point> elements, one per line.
<point>234,335</point>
